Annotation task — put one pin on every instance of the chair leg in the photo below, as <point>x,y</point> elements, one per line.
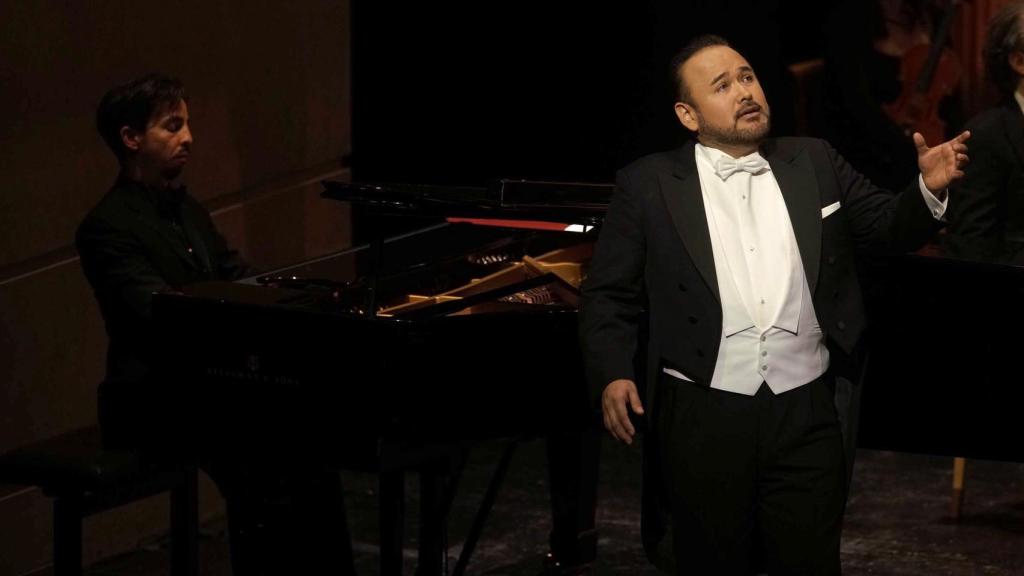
<point>185,524</point>
<point>67,536</point>
<point>959,470</point>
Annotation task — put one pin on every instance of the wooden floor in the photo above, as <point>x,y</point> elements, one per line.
<point>897,520</point>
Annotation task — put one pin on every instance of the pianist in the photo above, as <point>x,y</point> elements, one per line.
<point>742,248</point>
<point>147,234</point>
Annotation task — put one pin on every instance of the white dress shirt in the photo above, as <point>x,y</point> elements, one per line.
<point>770,332</point>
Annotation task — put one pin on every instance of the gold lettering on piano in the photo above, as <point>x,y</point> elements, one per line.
<point>248,376</point>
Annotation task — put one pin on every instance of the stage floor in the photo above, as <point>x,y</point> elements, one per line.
<point>897,520</point>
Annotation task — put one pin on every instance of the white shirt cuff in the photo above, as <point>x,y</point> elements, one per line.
<point>936,207</point>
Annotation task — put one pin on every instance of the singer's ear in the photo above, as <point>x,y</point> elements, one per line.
<point>687,116</point>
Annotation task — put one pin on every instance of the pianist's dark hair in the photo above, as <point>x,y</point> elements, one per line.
<point>1005,36</point>
<point>692,47</point>
<point>134,104</point>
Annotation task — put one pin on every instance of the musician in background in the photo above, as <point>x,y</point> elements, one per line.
<point>987,220</point>
<point>148,235</point>
<point>866,43</point>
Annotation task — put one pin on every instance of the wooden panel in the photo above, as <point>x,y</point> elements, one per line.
<point>268,84</point>
<point>52,346</point>
<point>301,224</point>
<point>270,106</point>
<point>26,522</point>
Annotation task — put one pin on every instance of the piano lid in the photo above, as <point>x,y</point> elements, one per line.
<point>570,202</point>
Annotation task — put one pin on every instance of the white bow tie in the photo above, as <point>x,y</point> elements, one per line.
<point>727,165</point>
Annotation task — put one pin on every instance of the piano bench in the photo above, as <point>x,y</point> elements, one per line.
<point>85,478</point>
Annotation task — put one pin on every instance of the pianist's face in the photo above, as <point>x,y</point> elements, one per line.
<point>164,147</point>
<point>727,107</point>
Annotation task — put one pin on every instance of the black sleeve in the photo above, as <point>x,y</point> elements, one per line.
<point>978,203</point>
<point>228,263</point>
<point>613,291</point>
<point>882,222</point>
<point>121,274</point>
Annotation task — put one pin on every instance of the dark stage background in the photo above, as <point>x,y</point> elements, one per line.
<point>461,94</point>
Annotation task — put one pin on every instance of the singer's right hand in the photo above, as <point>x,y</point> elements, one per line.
<point>613,407</point>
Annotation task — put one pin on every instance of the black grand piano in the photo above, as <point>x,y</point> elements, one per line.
<point>486,313</point>
<point>394,355</point>
<point>944,375</point>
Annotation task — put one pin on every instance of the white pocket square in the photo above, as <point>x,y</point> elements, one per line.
<point>676,374</point>
<point>829,210</point>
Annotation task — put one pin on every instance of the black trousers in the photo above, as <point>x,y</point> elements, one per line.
<point>754,482</point>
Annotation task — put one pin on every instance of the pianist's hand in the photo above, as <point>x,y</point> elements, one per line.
<point>613,405</point>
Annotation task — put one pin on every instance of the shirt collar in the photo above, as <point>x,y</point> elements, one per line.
<point>711,155</point>
<point>167,201</point>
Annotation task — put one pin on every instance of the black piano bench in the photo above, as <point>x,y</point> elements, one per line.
<point>85,478</point>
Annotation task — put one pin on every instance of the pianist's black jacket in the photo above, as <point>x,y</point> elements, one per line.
<point>135,242</point>
<point>987,220</point>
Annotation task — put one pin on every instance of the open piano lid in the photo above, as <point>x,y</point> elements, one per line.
<point>569,202</point>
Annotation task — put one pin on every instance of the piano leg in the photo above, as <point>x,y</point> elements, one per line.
<point>432,523</point>
<point>573,462</point>
<point>391,492</point>
<point>476,529</point>
<point>959,473</point>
